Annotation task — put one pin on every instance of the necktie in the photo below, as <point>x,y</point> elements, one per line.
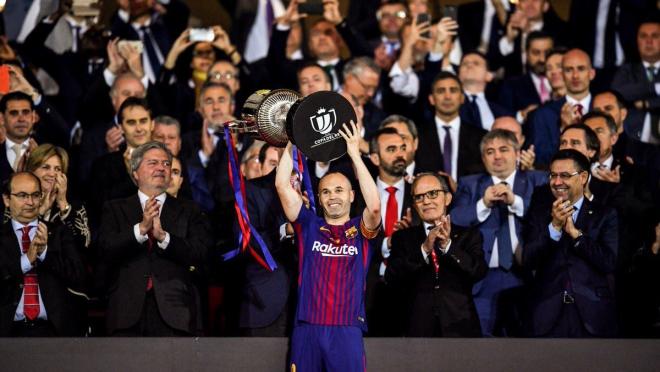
<point>650,73</point>
<point>30,282</point>
<point>580,109</point>
<point>75,38</point>
<point>609,54</point>
<point>392,211</point>
<point>329,69</point>
<point>16,148</point>
<point>543,91</point>
<point>474,109</point>
<point>447,150</point>
<point>504,249</point>
<point>270,16</point>
<point>150,247</point>
<point>151,46</point>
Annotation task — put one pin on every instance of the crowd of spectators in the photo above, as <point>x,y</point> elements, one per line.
<point>542,136</point>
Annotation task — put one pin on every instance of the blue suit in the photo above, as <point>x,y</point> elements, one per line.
<point>543,130</point>
<point>583,268</point>
<point>464,213</point>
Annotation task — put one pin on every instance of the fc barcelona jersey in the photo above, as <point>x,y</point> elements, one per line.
<point>333,262</point>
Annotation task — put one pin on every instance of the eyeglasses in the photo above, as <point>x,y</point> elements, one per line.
<point>364,86</point>
<point>565,176</point>
<point>431,194</point>
<point>23,196</point>
<point>216,76</point>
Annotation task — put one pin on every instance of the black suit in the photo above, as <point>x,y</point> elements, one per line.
<point>632,82</point>
<point>5,168</point>
<point>442,307</point>
<point>429,156</point>
<point>130,263</point>
<point>516,93</point>
<point>471,17</point>
<point>60,269</point>
<point>583,268</point>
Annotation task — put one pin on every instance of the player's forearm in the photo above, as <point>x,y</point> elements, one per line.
<point>289,198</point>
<point>367,186</point>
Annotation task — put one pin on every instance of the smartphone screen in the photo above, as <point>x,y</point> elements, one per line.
<point>450,11</point>
<point>421,18</point>
<point>311,7</point>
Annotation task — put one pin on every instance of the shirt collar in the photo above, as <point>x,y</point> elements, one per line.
<point>607,162</point>
<point>10,143</point>
<point>18,226</point>
<point>585,102</point>
<point>479,95</point>
<point>400,184</point>
<point>655,65</point>
<point>454,123</point>
<point>509,180</point>
<point>329,62</point>
<point>143,198</point>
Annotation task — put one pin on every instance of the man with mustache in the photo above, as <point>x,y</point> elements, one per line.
<point>572,246</point>
<point>18,118</point>
<point>388,152</point>
<point>155,244</point>
<point>496,202</point>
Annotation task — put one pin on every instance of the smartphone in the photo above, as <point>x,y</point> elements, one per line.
<point>4,79</point>
<point>421,18</point>
<point>450,11</point>
<point>311,7</point>
<point>85,8</point>
<point>136,44</point>
<point>201,34</point>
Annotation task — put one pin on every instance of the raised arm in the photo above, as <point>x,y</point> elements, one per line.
<point>371,215</point>
<point>289,197</point>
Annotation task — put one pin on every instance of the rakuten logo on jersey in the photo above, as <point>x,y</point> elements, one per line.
<point>329,250</point>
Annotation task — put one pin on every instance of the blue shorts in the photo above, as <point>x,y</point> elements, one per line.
<point>327,348</point>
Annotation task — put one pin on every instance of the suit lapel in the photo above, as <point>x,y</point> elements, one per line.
<point>132,209</point>
<point>170,212</point>
<point>584,215</point>
<point>532,87</point>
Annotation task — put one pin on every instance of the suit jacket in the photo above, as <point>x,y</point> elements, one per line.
<point>5,168</point>
<point>60,269</point>
<point>516,93</point>
<point>460,268</point>
<point>471,189</point>
<point>469,116</point>
<point>429,156</point>
<point>631,81</point>
<point>583,267</point>
<point>130,263</point>
<point>543,130</point>
<point>470,16</point>
<point>265,293</point>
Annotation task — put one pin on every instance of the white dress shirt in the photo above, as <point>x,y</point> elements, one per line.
<point>515,209</point>
<point>601,25</point>
<point>404,82</point>
<point>11,155</point>
<point>455,131</point>
<point>136,228</point>
<point>607,164</point>
<point>27,266</point>
<point>585,102</point>
<point>485,113</point>
<point>258,40</point>
<point>489,18</point>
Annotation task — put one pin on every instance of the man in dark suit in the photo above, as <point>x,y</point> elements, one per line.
<point>110,177</point>
<point>437,263</point>
<point>266,304</point>
<point>524,93</point>
<point>637,83</point>
<point>38,261</point>
<point>545,124</point>
<point>497,202</point>
<point>388,152</point>
<point>475,76</point>
<point>18,118</point>
<point>485,19</point>
<point>153,245</point>
<point>449,144</point>
<point>572,245</point>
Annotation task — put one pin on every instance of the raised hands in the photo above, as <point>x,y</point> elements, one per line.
<point>352,137</point>
<point>440,235</point>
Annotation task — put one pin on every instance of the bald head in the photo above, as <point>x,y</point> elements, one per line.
<point>511,124</point>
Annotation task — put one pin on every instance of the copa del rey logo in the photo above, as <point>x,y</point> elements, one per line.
<point>324,120</point>
<point>330,250</point>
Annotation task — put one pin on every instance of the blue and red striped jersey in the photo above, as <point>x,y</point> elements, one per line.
<point>333,263</point>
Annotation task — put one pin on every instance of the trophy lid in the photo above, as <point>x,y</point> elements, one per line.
<point>315,122</point>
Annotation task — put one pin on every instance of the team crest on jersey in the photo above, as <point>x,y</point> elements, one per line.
<point>351,233</point>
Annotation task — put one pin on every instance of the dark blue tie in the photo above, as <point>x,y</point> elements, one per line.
<point>504,251</point>
<point>474,111</point>
<point>150,47</point>
<point>447,150</point>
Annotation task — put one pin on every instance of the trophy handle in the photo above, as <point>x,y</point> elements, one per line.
<point>242,126</point>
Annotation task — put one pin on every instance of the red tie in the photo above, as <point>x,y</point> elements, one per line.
<point>150,247</point>
<point>579,109</point>
<point>30,282</point>
<point>391,213</point>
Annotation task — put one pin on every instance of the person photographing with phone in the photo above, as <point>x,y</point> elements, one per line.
<point>334,253</point>
<point>436,264</point>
